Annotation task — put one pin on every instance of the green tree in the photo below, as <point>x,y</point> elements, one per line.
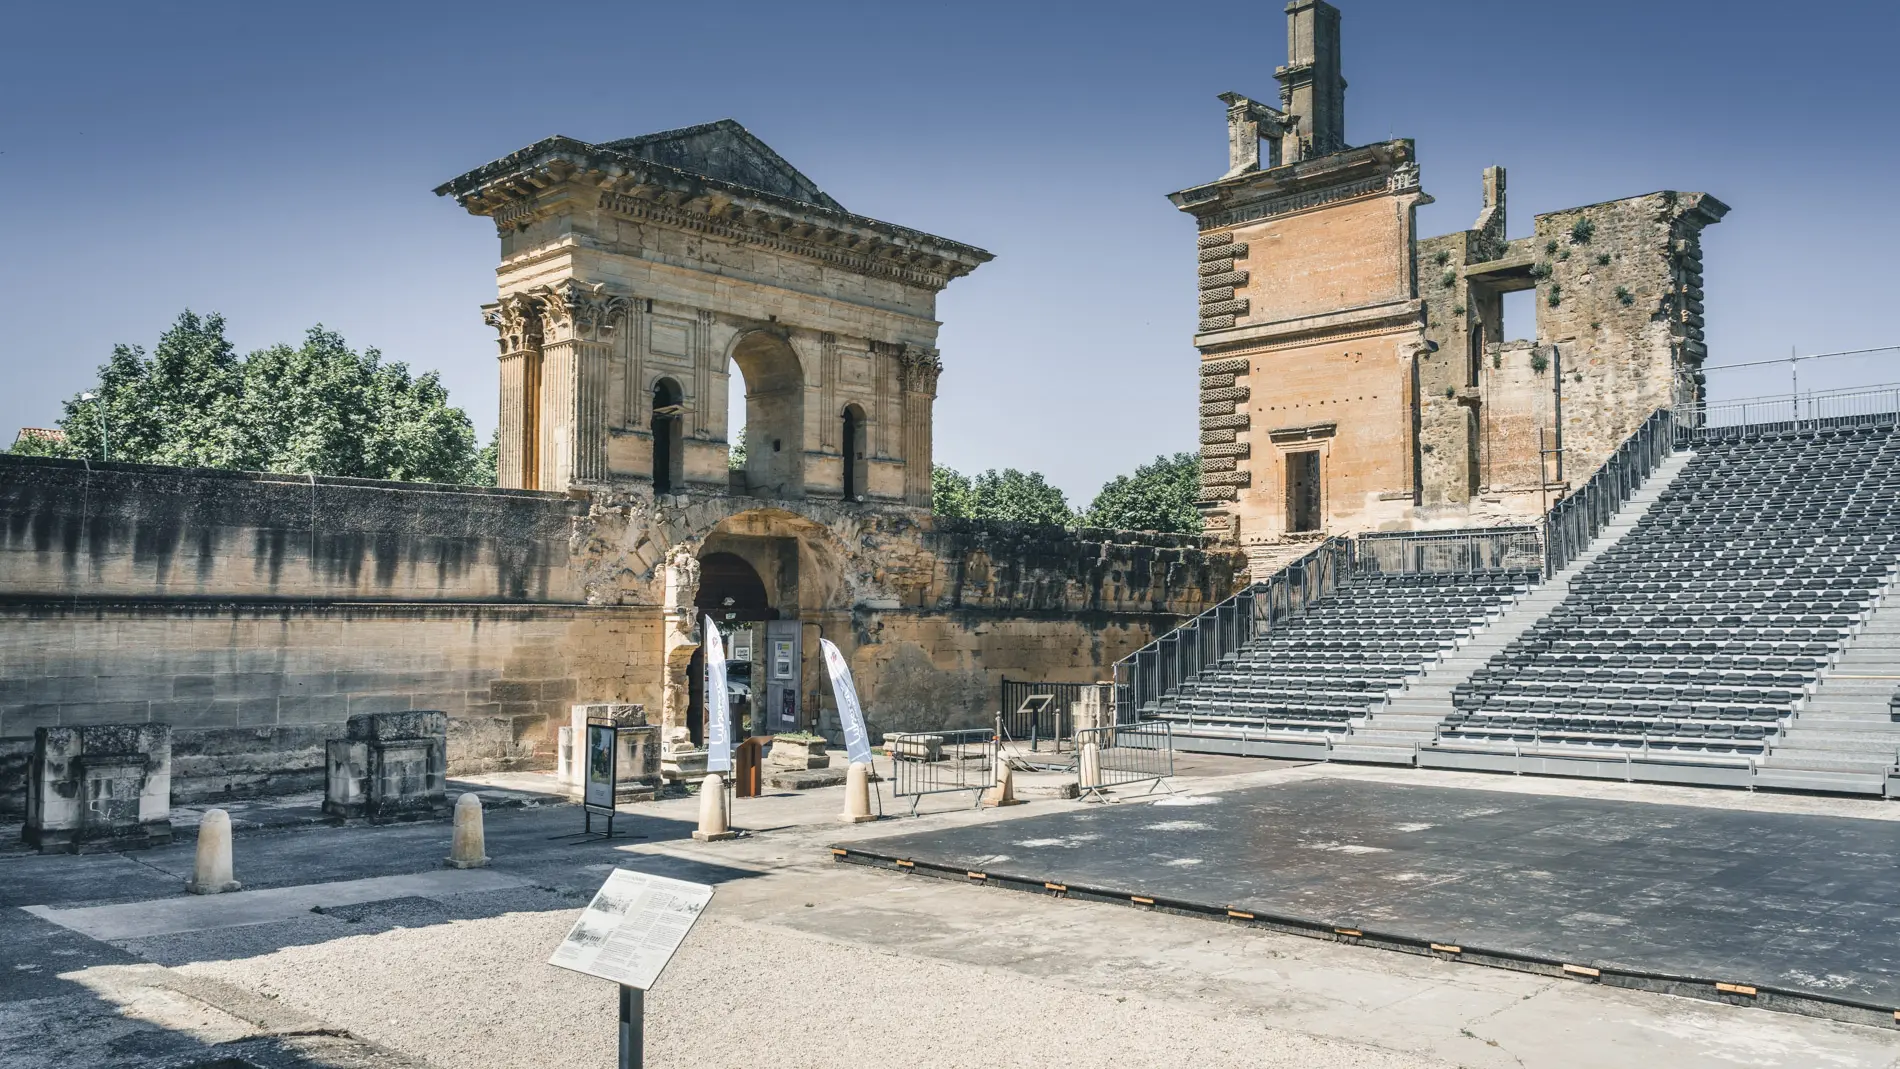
<point>735,454</point>
<point>1022,497</point>
<point>319,408</point>
<point>1159,496</point>
<point>949,492</point>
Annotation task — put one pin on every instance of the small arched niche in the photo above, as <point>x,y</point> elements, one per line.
<point>668,420</point>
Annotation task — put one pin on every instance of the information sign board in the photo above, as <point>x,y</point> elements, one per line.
<point>632,928</point>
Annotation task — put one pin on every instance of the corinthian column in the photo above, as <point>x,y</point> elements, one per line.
<point>582,324</point>
<point>918,369</point>
<point>518,323</point>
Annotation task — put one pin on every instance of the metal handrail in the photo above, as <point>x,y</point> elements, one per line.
<point>1574,522</point>
<point>1849,406</point>
<point>1217,635</point>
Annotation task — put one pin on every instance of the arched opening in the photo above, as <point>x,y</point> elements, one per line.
<point>668,463</point>
<point>731,592</point>
<point>853,445</point>
<point>774,425</point>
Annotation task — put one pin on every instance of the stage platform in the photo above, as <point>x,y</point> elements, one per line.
<point>1788,912</point>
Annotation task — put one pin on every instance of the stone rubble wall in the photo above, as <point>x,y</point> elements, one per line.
<point>255,613</point>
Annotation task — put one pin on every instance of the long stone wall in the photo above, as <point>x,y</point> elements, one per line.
<point>255,613</point>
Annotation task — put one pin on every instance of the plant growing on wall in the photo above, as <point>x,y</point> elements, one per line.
<point>1540,271</point>
<point>1556,294</point>
<point>1457,309</point>
<point>1581,231</point>
<point>1539,362</point>
<point>1550,247</point>
<point>1441,257</point>
<point>1603,259</point>
<point>1624,296</point>
<point>1449,278</point>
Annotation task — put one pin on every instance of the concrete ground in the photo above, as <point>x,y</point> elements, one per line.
<point>352,947</point>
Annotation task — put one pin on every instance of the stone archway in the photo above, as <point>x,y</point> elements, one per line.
<point>803,573</point>
<point>774,414</point>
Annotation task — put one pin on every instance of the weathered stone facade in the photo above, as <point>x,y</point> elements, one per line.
<point>1356,378</point>
<point>256,613</point>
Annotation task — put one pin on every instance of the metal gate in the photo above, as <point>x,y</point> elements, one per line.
<point>1123,756</point>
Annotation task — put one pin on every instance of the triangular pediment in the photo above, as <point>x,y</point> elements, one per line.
<point>728,152</point>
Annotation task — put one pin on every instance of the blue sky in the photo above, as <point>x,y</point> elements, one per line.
<point>274,163</point>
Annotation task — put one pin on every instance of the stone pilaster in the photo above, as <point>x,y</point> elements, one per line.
<point>581,322</point>
<point>918,370</point>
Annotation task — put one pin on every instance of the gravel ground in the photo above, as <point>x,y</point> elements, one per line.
<point>477,994</point>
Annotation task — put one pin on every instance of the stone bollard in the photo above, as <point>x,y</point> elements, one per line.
<point>211,874</point>
<point>857,794</point>
<point>469,848</point>
<point>1003,791</point>
<point>1091,767</point>
<point>712,810</point>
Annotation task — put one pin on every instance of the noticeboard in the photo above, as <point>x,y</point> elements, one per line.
<point>632,928</point>
<point>602,751</point>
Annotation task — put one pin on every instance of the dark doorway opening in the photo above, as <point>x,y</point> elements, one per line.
<point>1302,491</point>
<point>853,453</point>
<point>668,411</point>
<point>731,592</point>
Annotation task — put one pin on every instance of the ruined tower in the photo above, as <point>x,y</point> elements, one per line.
<point>1356,378</point>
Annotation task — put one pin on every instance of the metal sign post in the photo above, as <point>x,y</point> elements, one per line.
<point>633,1027</point>
<point>628,934</point>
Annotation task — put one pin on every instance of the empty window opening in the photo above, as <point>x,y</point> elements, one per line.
<point>853,445</point>
<point>668,462</point>
<point>1302,491</point>
<point>1520,315</point>
<point>770,384</point>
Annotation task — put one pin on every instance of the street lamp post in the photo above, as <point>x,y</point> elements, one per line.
<point>105,447</point>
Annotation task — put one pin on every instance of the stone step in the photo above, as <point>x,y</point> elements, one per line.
<point>1842,781</point>
<point>1373,754</point>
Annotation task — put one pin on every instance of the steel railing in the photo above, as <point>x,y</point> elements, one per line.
<point>1489,549</point>
<point>1123,755</point>
<point>1575,521</point>
<point>1215,636</point>
<point>1849,407</point>
<point>941,762</point>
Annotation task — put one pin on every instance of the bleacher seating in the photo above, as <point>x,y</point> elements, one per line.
<point>1314,672</point>
<point>1704,629</point>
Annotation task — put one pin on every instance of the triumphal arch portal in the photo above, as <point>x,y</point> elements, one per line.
<point>637,276</point>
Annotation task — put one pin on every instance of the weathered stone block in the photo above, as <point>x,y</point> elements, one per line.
<point>791,753</point>
<point>389,766</point>
<point>102,786</point>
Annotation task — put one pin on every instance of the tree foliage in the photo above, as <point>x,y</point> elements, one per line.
<point>319,408</point>
<point>1159,496</point>
<point>1023,497</point>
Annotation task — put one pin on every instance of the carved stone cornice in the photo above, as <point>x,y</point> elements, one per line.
<point>1389,167</point>
<point>518,188</point>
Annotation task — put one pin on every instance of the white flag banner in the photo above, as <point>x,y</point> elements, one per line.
<point>857,741</point>
<point>718,703</point>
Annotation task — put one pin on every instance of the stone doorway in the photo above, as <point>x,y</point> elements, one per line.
<point>733,594</point>
<point>1303,512</point>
